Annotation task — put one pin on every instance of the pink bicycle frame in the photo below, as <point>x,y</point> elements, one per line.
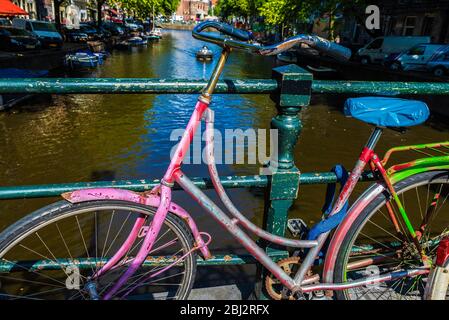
<point>164,204</point>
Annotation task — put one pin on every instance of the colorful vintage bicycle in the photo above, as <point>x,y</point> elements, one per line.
<point>108,243</point>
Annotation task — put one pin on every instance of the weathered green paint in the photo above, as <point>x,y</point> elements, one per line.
<point>88,263</point>
<point>248,86</point>
<point>381,87</point>
<point>294,86</point>
<point>54,190</point>
<point>284,183</point>
<point>132,85</point>
<point>294,92</point>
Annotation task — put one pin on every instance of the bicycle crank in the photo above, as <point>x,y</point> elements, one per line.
<point>273,286</point>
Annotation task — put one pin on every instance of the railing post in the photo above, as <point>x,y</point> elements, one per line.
<point>294,92</point>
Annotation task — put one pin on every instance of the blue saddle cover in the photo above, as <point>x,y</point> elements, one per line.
<point>387,112</point>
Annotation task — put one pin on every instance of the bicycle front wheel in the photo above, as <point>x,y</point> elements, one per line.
<point>54,252</point>
<point>373,246</point>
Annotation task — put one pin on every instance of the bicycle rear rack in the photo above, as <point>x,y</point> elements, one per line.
<point>439,152</point>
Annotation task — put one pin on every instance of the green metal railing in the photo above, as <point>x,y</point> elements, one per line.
<point>253,86</point>
<point>290,88</point>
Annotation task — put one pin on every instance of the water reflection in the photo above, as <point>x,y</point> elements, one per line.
<point>74,136</point>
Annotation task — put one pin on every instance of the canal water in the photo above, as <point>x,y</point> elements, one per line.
<point>75,138</point>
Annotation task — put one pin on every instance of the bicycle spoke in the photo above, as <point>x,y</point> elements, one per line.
<point>81,236</point>
<point>118,233</point>
<point>107,234</point>
<point>375,224</point>
<point>371,245</point>
<point>84,242</point>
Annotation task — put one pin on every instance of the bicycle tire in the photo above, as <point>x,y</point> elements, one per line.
<point>57,212</point>
<point>415,181</point>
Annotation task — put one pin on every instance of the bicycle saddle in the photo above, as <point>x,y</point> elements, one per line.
<point>387,112</point>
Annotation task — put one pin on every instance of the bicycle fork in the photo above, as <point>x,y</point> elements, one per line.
<point>165,186</point>
<point>148,242</point>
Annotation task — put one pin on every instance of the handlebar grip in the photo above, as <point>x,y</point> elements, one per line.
<point>226,29</point>
<point>332,49</point>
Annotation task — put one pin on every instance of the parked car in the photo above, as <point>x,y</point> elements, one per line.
<point>439,63</point>
<point>13,39</point>
<point>390,59</point>
<point>416,58</point>
<point>45,31</point>
<point>91,31</point>
<point>5,22</point>
<point>74,35</point>
<point>114,28</point>
<point>380,48</point>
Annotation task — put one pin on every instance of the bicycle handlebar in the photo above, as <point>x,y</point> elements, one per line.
<point>226,29</point>
<point>242,39</point>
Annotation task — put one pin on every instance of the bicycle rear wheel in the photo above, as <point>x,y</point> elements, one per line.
<point>54,252</point>
<point>372,246</point>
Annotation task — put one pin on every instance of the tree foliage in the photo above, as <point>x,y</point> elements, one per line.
<point>277,12</point>
<point>144,8</point>
<point>238,8</point>
<point>284,12</point>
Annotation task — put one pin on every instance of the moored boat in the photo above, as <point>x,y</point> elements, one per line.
<point>136,41</point>
<point>204,54</point>
<point>81,60</point>
<point>156,33</point>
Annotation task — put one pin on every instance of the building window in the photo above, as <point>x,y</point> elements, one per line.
<point>427,26</point>
<point>391,24</point>
<point>409,26</point>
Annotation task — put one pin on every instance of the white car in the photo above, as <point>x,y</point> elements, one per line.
<point>416,58</point>
<point>439,64</point>
<point>380,48</point>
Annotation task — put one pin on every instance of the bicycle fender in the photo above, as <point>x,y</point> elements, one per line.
<point>151,200</point>
<point>334,246</point>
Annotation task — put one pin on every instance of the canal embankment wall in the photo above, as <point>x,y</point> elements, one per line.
<point>178,26</point>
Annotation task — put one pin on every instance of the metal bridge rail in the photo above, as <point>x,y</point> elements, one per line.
<point>290,88</point>
<point>228,86</point>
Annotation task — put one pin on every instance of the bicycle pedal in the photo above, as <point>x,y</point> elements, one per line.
<point>297,227</point>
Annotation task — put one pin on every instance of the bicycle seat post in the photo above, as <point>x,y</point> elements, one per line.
<point>374,138</point>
